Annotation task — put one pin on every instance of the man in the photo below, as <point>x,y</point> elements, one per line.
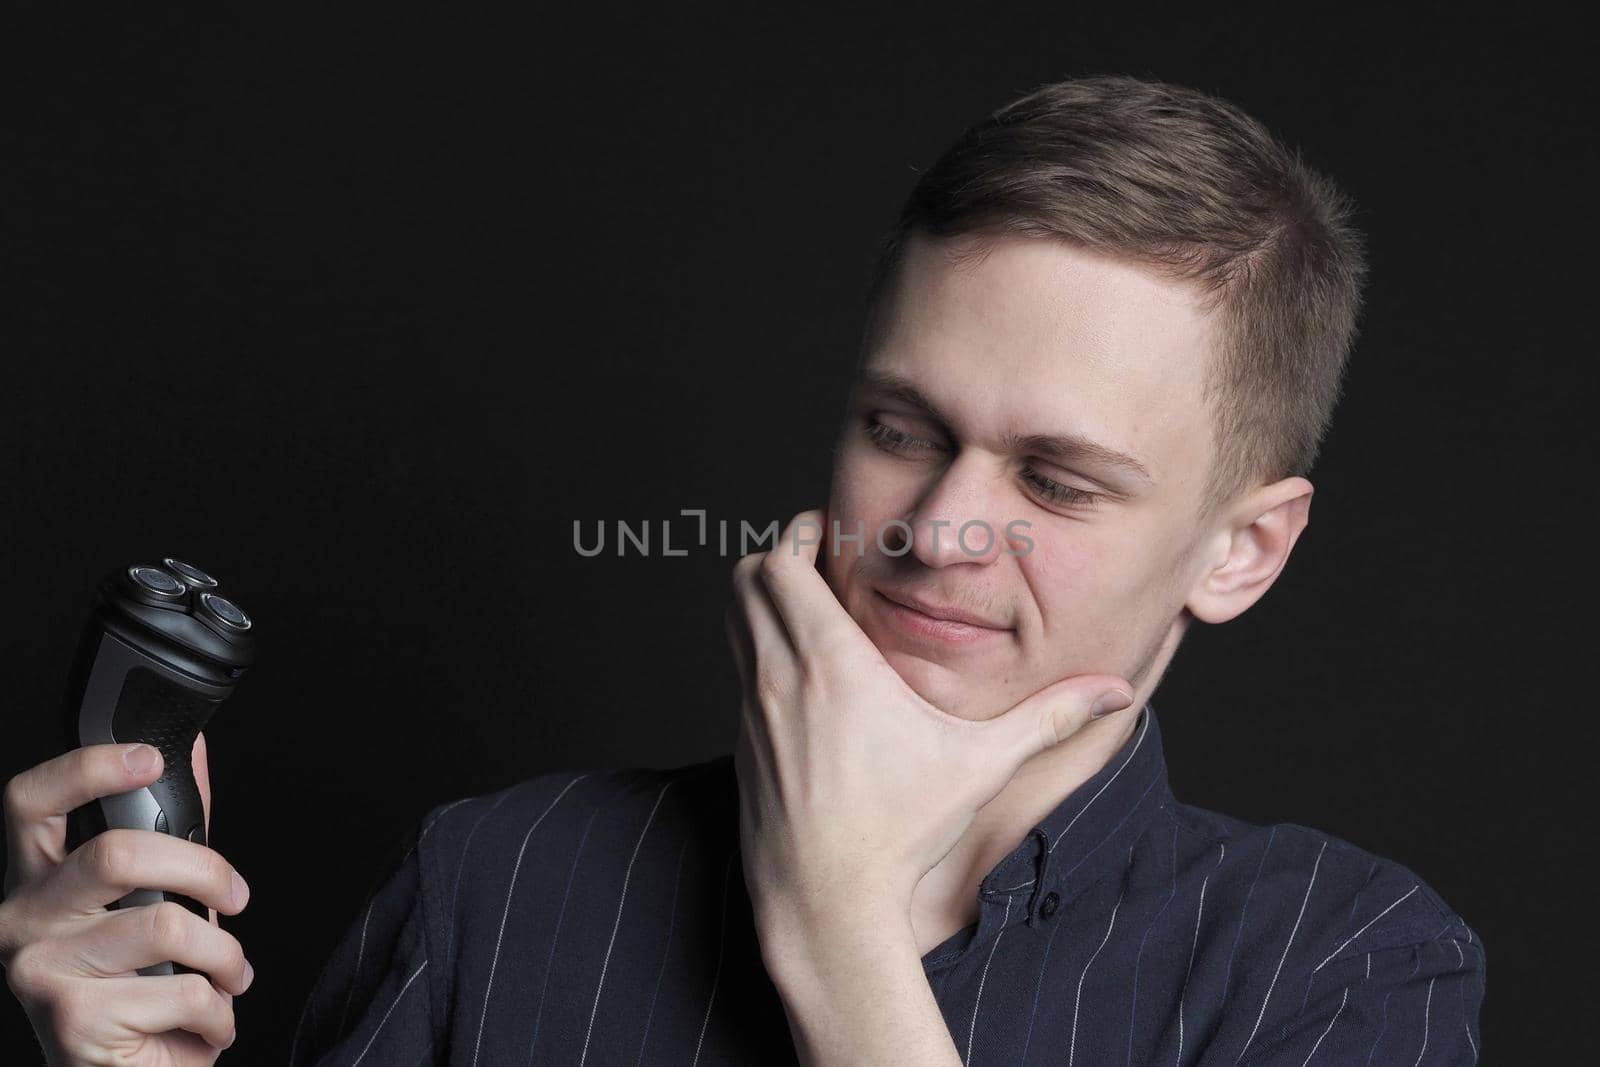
<point>1101,352</point>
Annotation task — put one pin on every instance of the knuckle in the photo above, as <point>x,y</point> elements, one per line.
<point>194,993</point>
<point>168,925</point>
<point>217,872</point>
<point>16,794</point>
<point>235,960</point>
<point>111,856</point>
<point>744,570</point>
<point>28,973</point>
<point>13,931</point>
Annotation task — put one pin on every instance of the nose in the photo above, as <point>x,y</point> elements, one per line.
<point>958,520</point>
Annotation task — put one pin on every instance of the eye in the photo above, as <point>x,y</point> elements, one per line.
<point>899,442</point>
<point>892,440</point>
<point>1054,492</point>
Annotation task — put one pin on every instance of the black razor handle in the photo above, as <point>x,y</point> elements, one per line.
<point>161,650</point>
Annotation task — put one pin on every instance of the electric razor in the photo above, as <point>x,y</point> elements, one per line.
<point>161,650</point>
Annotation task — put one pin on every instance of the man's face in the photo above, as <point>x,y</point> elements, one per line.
<point>1034,339</point>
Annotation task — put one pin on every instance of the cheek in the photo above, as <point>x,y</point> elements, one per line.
<point>867,490</point>
<point>1083,593</point>
<point>1066,578</point>
<point>865,496</point>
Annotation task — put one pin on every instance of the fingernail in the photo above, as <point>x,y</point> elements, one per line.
<point>140,759</point>
<point>1113,700</point>
<point>249,975</point>
<point>240,891</point>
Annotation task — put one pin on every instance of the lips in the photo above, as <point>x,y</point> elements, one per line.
<point>936,611</point>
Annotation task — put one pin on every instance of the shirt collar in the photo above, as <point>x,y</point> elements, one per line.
<point>1086,836</point>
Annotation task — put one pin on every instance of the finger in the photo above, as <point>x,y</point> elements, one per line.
<point>154,1004</point>
<point>122,941</point>
<point>751,721</point>
<point>38,799</point>
<point>770,646</point>
<point>1056,712</point>
<point>189,1050</point>
<point>811,614</point>
<point>114,863</point>
<point>750,713</point>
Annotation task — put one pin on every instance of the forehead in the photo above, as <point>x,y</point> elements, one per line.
<point>1029,335</point>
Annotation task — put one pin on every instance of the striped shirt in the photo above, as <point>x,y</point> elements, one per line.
<point>601,917</point>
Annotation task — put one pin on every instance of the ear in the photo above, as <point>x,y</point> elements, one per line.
<point>1250,549</point>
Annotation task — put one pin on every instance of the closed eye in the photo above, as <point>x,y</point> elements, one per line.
<point>1049,490</point>
<point>893,440</point>
<point>1054,491</point>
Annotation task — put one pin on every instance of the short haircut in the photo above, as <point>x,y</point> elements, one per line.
<point>1191,185</point>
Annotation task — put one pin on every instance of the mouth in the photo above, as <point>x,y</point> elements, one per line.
<point>947,625</point>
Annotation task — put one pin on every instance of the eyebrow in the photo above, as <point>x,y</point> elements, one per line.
<point>1061,446</point>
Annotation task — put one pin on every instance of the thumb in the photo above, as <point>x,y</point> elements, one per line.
<point>1058,711</point>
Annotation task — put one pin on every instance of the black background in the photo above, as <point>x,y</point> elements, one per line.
<point>362,309</point>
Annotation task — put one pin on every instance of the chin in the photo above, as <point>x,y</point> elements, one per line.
<point>949,690</point>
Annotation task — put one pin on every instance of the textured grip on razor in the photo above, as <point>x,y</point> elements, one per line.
<point>169,718</point>
<point>151,710</point>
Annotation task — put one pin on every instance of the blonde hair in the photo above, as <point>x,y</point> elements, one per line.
<point>1192,185</point>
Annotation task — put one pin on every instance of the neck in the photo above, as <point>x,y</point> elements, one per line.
<point>947,897</point>
<point>946,900</point>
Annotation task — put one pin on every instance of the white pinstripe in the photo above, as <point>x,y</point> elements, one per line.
<point>1072,1048</point>
<point>510,890</point>
<point>294,1046</point>
<point>721,944</point>
<point>1355,905</point>
<point>461,866</point>
<point>1361,931</point>
<point>1244,912</point>
<point>1221,854</point>
<point>392,1007</point>
<point>1144,728</point>
<point>1344,997</point>
<point>666,951</point>
<point>1138,960</point>
<point>618,921</point>
<point>972,1026</point>
<point>1272,984</point>
<point>1038,984</point>
<point>1425,1010</point>
<point>1467,1022</point>
<point>431,822</point>
<point>361,950</point>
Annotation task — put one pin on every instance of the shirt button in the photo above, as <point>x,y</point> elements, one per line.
<point>1048,908</point>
